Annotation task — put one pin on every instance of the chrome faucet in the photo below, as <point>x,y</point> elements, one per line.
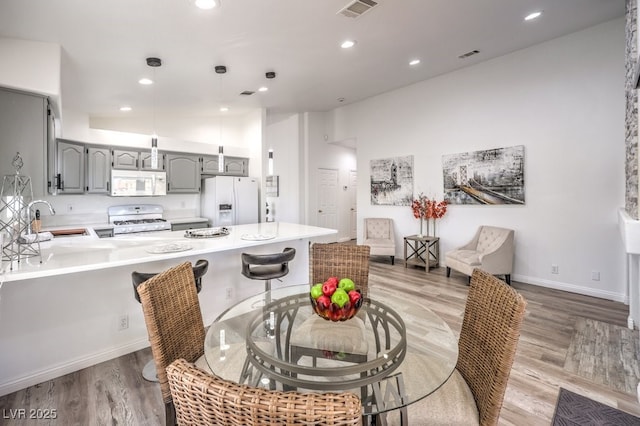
<point>29,220</point>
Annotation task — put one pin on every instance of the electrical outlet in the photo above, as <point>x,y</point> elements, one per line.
<point>229,291</point>
<point>595,275</point>
<point>123,322</point>
<point>554,269</point>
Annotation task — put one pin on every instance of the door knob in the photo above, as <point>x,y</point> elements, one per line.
<point>319,211</point>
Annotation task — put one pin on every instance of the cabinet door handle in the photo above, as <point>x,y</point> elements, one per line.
<point>137,163</point>
<point>108,190</point>
<point>58,181</point>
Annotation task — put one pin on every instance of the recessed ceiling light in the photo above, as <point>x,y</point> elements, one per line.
<point>207,4</point>
<point>125,108</point>
<point>347,44</point>
<point>145,81</point>
<point>224,109</point>
<point>414,62</point>
<point>533,15</point>
<point>263,89</point>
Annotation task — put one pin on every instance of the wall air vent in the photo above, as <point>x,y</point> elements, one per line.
<point>356,8</point>
<point>466,55</point>
<point>247,93</point>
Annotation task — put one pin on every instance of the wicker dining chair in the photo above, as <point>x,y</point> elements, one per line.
<point>174,323</point>
<point>341,261</point>
<point>486,350</point>
<point>204,399</point>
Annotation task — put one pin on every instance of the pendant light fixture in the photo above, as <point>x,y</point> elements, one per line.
<point>270,163</point>
<point>154,63</point>
<point>220,69</point>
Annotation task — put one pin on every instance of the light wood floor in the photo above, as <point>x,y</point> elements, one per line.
<point>577,342</point>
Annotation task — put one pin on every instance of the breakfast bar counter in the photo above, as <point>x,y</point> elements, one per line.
<point>90,253</point>
<point>77,308</point>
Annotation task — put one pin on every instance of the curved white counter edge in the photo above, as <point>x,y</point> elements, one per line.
<point>90,253</point>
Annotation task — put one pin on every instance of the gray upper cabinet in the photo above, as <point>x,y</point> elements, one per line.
<point>210,165</point>
<point>236,166</point>
<point>23,128</point>
<point>145,161</point>
<point>135,160</point>
<point>233,166</point>
<point>70,160</point>
<point>125,160</point>
<point>183,173</point>
<point>98,170</point>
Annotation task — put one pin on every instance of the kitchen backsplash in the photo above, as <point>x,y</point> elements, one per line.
<point>92,209</point>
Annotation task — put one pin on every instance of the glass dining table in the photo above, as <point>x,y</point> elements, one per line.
<point>394,352</point>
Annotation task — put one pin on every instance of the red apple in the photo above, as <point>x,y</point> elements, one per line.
<point>328,288</point>
<point>323,302</point>
<point>354,296</point>
<point>336,315</point>
<point>333,280</point>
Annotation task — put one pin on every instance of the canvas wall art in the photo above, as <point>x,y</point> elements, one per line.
<point>492,176</point>
<point>392,181</point>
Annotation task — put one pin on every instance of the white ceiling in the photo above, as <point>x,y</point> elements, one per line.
<point>105,43</point>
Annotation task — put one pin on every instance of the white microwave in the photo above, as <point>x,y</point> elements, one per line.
<point>137,183</point>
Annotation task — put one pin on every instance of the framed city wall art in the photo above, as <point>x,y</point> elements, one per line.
<point>492,176</point>
<point>392,181</point>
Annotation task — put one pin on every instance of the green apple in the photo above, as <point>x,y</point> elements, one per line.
<point>316,290</point>
<point>346,284</point>
<point>339,297</point>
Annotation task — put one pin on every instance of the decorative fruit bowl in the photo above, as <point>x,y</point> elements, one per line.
<point>336,300</point>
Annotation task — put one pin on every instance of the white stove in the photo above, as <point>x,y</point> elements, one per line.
<point>132,218</point>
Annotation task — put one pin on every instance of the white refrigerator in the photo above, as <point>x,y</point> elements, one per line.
<point>228,200</point>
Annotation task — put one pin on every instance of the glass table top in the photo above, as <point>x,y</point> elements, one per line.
<point>395,351</point>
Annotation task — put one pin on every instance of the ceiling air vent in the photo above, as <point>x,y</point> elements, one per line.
<point>357,8</point>
<point>247,93</point>
<point>466,55</point>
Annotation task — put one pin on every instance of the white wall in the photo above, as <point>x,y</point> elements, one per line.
<point>31,66</point>
<point>564,101</point>
<point>283,136</point>
<point>325,155</point>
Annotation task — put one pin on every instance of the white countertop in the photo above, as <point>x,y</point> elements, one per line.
<point>68,255</point>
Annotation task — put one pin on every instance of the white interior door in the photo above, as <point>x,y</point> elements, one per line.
<point>327,198</point>
<point>353,204</point>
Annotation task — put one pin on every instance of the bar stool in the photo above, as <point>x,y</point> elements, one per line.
<point>199,269</point>
<point>267,266</point>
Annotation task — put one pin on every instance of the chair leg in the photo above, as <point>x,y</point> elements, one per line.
<point>507,278</point>
<point>170,414</point>
<point>149,372</point>
<point>448,272</point>
<point>392,259</point>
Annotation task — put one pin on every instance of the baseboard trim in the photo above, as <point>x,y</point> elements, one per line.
<point>71,366</point>
<point>572,288</point>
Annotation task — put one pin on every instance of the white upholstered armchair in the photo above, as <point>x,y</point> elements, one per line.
<point>379,235</point>
<point>491,250</point>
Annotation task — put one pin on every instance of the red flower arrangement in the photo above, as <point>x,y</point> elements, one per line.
<point>424,208</point>
<point>436,209</point>
<point>419,206</point>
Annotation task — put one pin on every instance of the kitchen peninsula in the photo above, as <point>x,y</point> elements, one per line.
<point>77,307</point>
